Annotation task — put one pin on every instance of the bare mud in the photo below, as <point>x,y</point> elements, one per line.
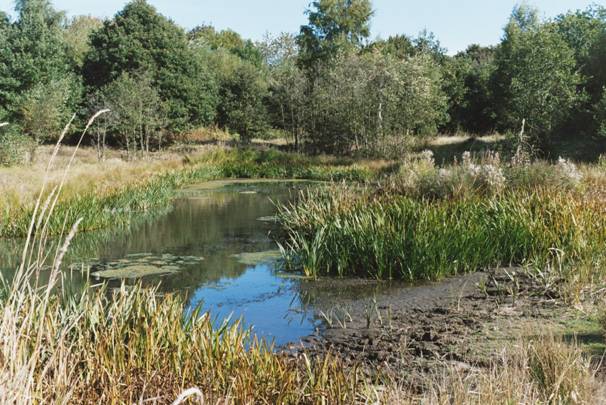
<point>463,322</point>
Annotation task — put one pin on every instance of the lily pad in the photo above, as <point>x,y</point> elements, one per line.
<point>135,271</point>
<point>252,259</point>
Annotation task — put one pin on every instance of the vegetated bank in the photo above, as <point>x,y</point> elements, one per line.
<point>126,192</point>
<point>427,222</point>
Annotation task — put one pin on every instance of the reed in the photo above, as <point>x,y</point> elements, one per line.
<point>349,231</point>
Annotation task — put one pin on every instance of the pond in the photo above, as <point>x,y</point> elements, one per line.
<point>214,245</point>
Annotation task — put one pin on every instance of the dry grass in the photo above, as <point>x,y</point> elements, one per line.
<point>545,371</point>
<point>20,185</point>
<point>462,138</point>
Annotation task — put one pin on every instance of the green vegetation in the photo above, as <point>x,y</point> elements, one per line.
<point>428,223</point>
<point>329,87</point>
<point>122,202</point>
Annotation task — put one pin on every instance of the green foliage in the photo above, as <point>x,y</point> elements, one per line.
<point>600,115</point>
<point>14,146</point>
<point>345,233</point>
<point>35,69</point>
<point>46,108</point>
<point>136,112</point>
<point>206,36</point>
<point>361,100</point>
<point>77,37</point>
<point>334,26</point>
<point>139,39</point>
<point>467,82</point>
<point>536,77</point>
<point>242,109</point>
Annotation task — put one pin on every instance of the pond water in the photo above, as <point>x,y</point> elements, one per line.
<point>214,246</point>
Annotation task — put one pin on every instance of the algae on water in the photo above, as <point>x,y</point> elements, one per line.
<point>135,271</point>
<point>253,259</point>
<point>139,265</point>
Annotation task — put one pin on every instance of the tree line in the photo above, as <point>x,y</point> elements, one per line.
<point>329,87</point>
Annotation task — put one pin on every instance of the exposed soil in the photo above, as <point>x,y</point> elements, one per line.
<point>462,322</point>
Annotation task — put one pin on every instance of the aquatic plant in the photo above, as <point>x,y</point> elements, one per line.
<point>351,232</point>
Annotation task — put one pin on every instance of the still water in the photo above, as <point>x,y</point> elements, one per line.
<point>215,246</point>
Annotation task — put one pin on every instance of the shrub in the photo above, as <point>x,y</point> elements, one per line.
<point>14,147</point>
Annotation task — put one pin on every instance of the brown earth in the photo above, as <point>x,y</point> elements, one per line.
<point>463,322</point>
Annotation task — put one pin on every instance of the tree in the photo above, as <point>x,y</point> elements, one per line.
<point>363,100</point>
<point>334,26</point>
<point>398,46</point>
<point>139,39</point>
<point>279,49</point>
<point>34,58</point>
<point>600,115</point>
<point>467,78</point>
<point>206,36</point>
<point>585,33</point>
<point>242,107</point>
<point>44,109</point>
<point>76,36</point>
<point>536,77</point>
<point>137,112</point>
<point>5,55</point>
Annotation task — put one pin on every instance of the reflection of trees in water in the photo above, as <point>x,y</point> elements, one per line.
<point>213,224</point>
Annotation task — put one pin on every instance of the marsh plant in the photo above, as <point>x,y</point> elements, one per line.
<point>434,223</point>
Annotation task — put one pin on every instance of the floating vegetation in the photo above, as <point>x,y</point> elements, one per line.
<point>271,218</point>
<point>253,259</point>
<point>136,271</point>
<point>140,265</point>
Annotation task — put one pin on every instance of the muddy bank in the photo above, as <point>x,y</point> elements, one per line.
<point>462,322</point>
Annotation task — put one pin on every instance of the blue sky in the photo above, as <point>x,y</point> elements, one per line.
<point>457,23</point>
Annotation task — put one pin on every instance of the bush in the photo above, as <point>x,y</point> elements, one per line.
<point>14,147</point>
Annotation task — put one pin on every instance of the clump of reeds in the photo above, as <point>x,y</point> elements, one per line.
<point>350,231</point>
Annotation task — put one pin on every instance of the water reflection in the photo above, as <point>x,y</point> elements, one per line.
<point>210,245</point>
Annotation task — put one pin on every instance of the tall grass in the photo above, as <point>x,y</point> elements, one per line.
<point>353,231</point>
<point>544,371</point>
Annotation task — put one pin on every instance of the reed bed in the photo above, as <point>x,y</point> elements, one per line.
<point>427,226</point>
<point>131,345</point>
